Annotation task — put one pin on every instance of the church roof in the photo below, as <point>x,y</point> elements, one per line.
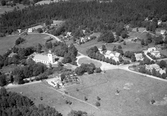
<point>41,57</point>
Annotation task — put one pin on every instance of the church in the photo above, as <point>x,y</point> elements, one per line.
<point>45,58</point>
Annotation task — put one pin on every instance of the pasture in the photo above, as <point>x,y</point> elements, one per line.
<point>88,61</point>
<point>31,39</point>
<point>122,94</point>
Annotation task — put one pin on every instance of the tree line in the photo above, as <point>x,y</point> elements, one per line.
<point>93,15</point>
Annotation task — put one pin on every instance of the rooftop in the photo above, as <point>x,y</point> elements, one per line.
<point>41,57</point>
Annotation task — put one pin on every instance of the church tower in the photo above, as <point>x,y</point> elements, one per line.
<point>50,57</point>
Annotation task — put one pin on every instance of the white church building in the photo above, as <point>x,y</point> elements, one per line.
<point>45,58</point>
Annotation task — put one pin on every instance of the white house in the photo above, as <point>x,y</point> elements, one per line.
<point>30,30</point>
<point>162,32</point>
<point>151,49</point>
<point>109,54</point>
<point>159,22</point>
<point>154,52</point>
<point>45,59</point>
<point>156,67</point>
<point>139,56</point>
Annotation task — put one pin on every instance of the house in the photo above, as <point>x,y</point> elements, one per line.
<point>135,39</point>
<point>30,30</point>
<point>139,56</point>
<point>159,22</point>
<point>154,52</point>
<point>156,67</point>
<point>151,49</point>
<point>110,54</point>
<point>163,32</point>
<point>19,30</point>
<point>45,59</point>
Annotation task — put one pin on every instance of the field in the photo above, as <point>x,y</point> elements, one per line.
<point>9,41</point>
<point>122,94</point>
<point>4,9</point>
<point>86,60</point>
<point>34,39</point>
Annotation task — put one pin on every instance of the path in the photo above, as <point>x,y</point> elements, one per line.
<point>52,36</point>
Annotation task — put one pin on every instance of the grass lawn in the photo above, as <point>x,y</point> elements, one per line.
<point>4,9</point>
<point>134,100</point>
<point>9,41</point>
<point>87,61</point>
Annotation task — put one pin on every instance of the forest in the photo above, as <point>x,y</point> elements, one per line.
<point>93,15</point>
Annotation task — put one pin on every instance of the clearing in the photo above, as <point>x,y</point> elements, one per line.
<point>34,39</point>
<point>122,94</point>
<point>4,9</point>
<point>31,39</point>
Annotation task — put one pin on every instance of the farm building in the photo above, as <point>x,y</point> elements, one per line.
<point>55,82</point>
<point>34,28</point>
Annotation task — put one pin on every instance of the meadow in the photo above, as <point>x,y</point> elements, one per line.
<point>121,93</point>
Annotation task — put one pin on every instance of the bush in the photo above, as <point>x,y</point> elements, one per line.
<point>98,98</point>
<point>85,98</point>
<point>39,30</point>
<point>97,104</point>
<point>19,41</point>
<point>98,70</point>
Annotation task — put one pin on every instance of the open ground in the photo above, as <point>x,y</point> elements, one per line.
<point>31,39</point>
<point>4,9</point>
<point>122,94</point>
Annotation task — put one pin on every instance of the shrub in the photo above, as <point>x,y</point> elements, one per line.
<point>19,41</point>
<point>85,98</point>
<point>98,98</point>
<point>97,104</point>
